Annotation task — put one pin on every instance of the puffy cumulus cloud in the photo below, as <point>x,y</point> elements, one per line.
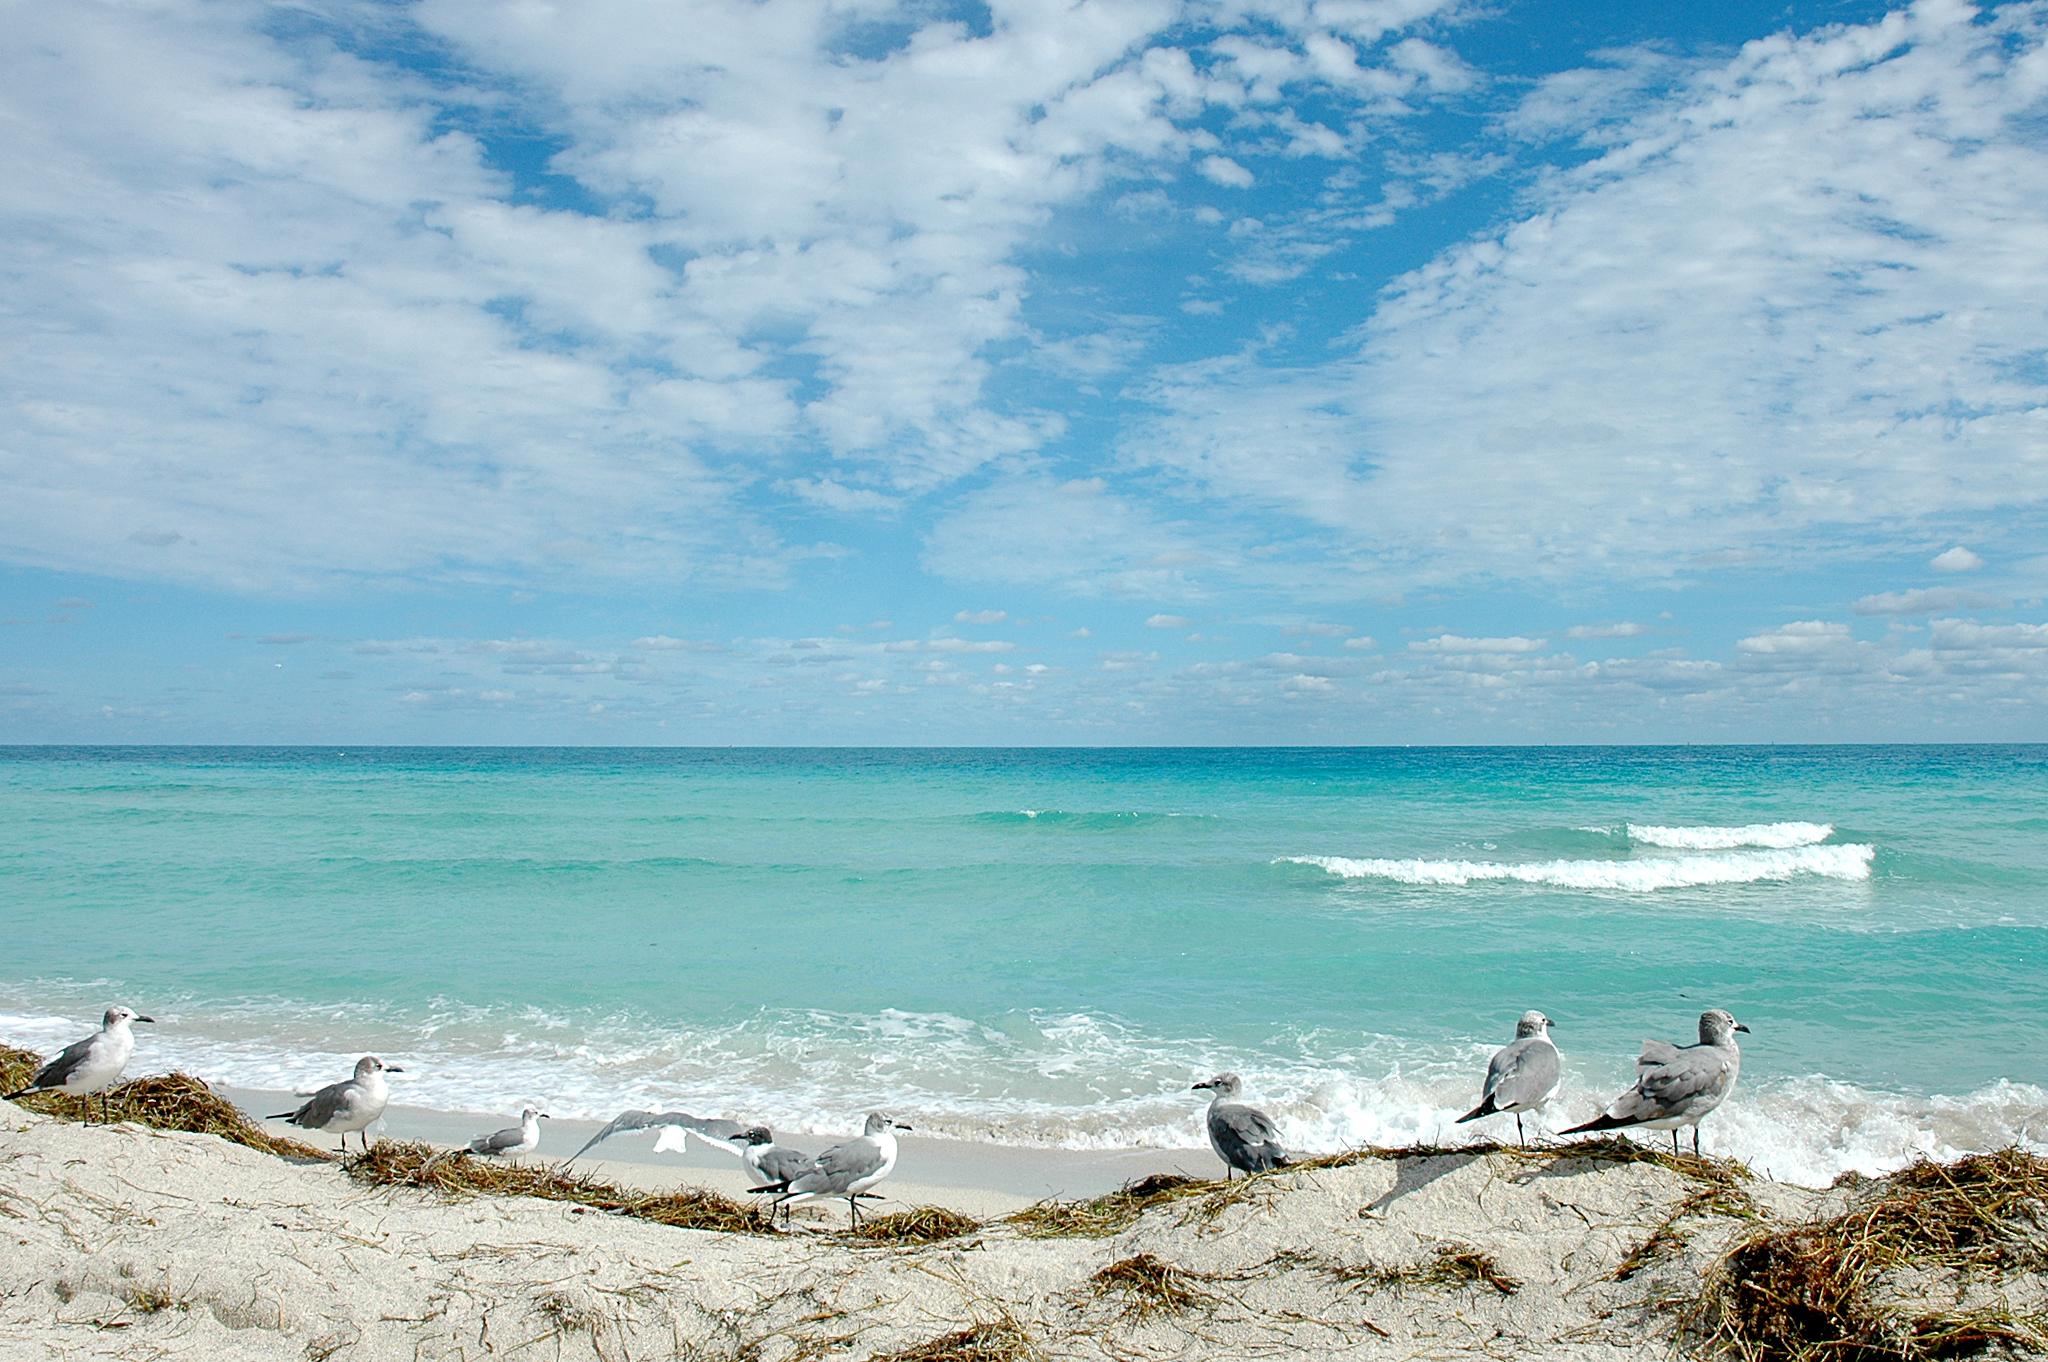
<point>293,319</point>
<point>1957,559</point>
<point>1789,305</point>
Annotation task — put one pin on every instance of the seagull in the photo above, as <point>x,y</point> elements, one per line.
<point>512,1141</point>
<point>91,1065</point>
<point>845,1169</point>
<point>1523,1074</point>
<point>1677,1085</point>
<point>351,1104</point>
<point>674,1125</point>
<point>767,1161</point>
<point>1245,1138</point>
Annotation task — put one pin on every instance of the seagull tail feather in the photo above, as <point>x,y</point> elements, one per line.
<point>1600,1122</point>
<point>1485,1108</point>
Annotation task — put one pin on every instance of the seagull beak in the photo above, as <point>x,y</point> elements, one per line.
<point>1740,1027</point>
<point>901,1126</point>
<point>544,1117</point>
<point>150,1020</point>
<point>393,1069</point>
<point>1198,1087</point>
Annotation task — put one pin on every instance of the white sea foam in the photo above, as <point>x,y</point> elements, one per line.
<point>1638,875</point>
<point>1779,835</point>
<point>1074,1081</point>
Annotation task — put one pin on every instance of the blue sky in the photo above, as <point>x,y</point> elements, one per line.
<point>610,371</point>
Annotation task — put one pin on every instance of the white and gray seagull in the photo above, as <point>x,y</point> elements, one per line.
<point>1244,1137</point>
<point>512,1141</point>
<point>767,1161</point>
<point>1676,1085</point>
<point>674,1125</point>
<point>1522,1076</point>
<point>91,1065</point>
<point>846,1170</point>
<point>351,1104</point>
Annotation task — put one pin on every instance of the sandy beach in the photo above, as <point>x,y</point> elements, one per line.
<point>125,1241</point>
<point>975,1178</point>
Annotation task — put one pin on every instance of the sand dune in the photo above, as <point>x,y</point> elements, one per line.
<point>124,1241</point>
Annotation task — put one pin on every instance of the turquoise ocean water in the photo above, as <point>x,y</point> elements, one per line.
<point>1046,947</point>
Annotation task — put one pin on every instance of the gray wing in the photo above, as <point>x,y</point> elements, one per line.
<point>58,1071</point>
<point>1657,1052</point>
<point>1523,1074</point>
<point>782,1164</point>
<point>1246,1136</point>
<point>648,1120</point>
<point>1693,1074</point>
<point>840,1167</point>
<point>336,1099</point>
<point>498,1141</point>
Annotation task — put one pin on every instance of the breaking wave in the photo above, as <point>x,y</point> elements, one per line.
<point>1644,875</point>
<point>1777,835</point>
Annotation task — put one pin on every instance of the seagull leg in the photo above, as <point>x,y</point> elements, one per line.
<point>1674,1142</point>
<point>1520,1138</point>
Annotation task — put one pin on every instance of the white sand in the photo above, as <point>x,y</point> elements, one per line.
<point>126,1242</point>
<point>978,1179</point>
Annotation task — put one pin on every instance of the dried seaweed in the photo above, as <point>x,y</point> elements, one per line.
<point>918,1225</point>
<point>1001,1341</point>
<point>1711,1199</point>
<point>173,1101</point>
<point>1801,1292</point>
<point>1451,1265</point>
<point>1151,1285</point>
<point>392,1164</point>
<point>1103,1216</point>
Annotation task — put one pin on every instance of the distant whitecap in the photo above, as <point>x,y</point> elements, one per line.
<point>1777,835</point>
<point>1639,876</point>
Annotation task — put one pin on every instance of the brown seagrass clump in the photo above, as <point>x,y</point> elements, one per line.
<point>1150,1285</point>
<point>172,1101</point>
<point>453,1173</point>
<point>1801,1293</point>
<point>1003,1340</point>
<point>918,1225</point>
<point>1103,1216</point>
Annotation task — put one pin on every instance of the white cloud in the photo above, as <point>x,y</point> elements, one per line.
<point>1925,601</point>
<point>1624,629</point>
<point>837,496</point>
<point>1169,622</point>
<point>980,616</point>
<point>1957,559</point>
<point>1224,171</point>
<point>268,275</point>
<point>1787,309</point>
<point>662,643</point>
<point>1453,643</point>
